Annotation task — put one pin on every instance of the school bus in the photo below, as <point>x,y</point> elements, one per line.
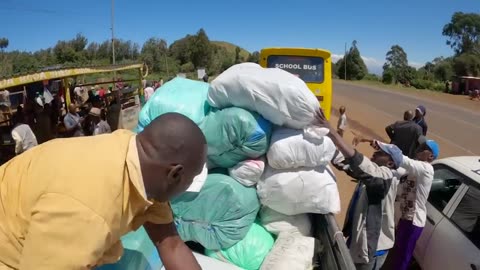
<point>311,65</point>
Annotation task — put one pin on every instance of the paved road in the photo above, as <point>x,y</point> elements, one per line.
<point>456,129</point>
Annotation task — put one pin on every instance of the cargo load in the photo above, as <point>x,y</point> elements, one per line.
<point>279,96</point>
<point>217,217</point>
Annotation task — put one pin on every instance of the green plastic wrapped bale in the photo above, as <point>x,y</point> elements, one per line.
<point>217,217</point>
<point>139,253</point>
<point>234,135</point>
<point>179,95</point>
<point>248,253</point>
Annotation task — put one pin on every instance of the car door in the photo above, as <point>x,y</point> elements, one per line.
<point>446,187</point>
<point>455,241</point>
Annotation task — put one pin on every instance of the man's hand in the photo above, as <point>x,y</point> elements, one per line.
<point>321,120</point>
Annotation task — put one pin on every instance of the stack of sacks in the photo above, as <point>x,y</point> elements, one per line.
<point>234,135</point>
<point>277,95</point>
<point>179,95</point>
<point>298,179</point>
<point>248,253</point>
<point>217,217</point>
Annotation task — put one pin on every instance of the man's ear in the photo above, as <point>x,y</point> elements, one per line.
<point>175,173</point>
<point>391,164</point>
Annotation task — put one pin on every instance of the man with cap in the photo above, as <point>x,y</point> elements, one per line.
<point>405,134</point>
<point>58,213</point>
<point>414,189</point>
<point>100,126</point>
<point>420,113</point>
<point>369,224</point>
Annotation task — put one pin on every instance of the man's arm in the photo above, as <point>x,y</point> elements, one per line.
<point>173,251</point>
<point>390,131</point>
<point>63,234</point>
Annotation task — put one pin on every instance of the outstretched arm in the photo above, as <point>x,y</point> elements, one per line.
<point>173,251</point>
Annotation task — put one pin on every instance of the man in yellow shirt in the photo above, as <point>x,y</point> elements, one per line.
<point>64,211</point>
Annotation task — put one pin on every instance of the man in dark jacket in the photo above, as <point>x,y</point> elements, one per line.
<point>405,134</point>
<point>420,113</point>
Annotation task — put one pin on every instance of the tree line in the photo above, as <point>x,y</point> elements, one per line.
<point>183,55</point>
<point>463,36</point>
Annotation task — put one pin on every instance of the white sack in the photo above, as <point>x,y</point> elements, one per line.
<point>248,172</point>
<point>279,96</point>
<point>292,148</point>
<point>291,251</point>
<point>298,191</point>
<point>277,223</point>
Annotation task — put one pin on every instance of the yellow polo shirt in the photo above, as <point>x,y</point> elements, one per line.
<point>66,203</point>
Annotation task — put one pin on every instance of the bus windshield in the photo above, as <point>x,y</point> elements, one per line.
<point>307,68</point>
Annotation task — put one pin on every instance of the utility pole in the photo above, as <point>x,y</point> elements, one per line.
<point>113,44</point>
<point>344,60</point>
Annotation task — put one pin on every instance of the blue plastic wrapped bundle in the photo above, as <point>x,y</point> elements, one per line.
<point>217,217</point>
<point>248,253</point>
<point>139,253</point>
<point>179,95</point>
<point>234,135</point>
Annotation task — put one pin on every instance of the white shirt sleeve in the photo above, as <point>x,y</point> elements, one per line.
<point>416,167</point>
<point>18,142</point>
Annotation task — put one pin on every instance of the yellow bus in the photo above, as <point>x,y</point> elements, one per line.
<point>311,65</point>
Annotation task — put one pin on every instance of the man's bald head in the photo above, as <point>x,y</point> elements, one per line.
<point>172,151</point>
<point>408,115</point>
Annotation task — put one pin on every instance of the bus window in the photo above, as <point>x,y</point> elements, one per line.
<point>309,69</point>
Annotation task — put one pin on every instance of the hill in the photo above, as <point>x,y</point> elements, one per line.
<point>231,49</point>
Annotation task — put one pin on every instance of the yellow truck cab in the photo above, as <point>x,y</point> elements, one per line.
<point>313,66</point>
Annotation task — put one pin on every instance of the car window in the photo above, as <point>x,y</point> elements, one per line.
<point>445,183</point>
<point>467,214</point>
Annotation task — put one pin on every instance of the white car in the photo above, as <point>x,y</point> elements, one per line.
<point>451,237</point>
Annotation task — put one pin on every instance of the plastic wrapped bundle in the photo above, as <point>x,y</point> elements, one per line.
<point>234,135</point>
<point>277,223</point>
<point>248,172</point>
<point>291,251</point>
<point>179,95</point>
<point>217,217</point>
<point>292,148</point>
<point>279,96</point>
<point>139,253</point>
<point>248,253</point>
<point>298,191</point>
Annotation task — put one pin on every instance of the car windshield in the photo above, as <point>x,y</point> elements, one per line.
<point>308,68</point>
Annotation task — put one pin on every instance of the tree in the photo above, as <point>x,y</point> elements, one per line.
<point>396,64</point>
<point>201,49</point>
<point>463,32</point>
<point>3,44</point>
<point>254,57</point>
<point>356,68</point>
<point>237,55</point>
<point>467,64</point>
<point>154,53</point>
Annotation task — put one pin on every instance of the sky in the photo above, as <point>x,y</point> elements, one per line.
<point>376,25</point>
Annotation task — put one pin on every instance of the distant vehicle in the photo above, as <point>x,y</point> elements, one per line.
<point>451,237</point>
<point>314,66</point>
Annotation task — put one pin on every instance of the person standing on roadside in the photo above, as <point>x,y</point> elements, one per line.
<point>413,193</point>
<point>420,113</point>
<point>342,121</point>
<point>405,134</point>
<point>73,122</point>
<point>369,224</point>
<point>148,91</point>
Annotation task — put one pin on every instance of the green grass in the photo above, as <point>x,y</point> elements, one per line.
<point>386,86</point>
<point>231,49</point>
